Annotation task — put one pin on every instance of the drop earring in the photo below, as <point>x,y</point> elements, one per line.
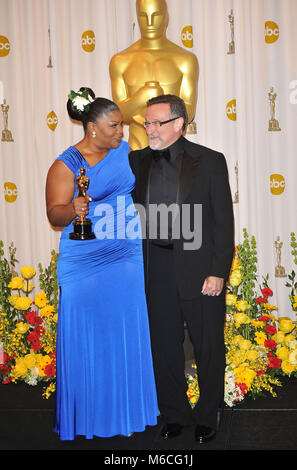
<point>93,134</point>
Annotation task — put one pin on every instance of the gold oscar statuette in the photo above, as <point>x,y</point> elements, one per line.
<point>273,123</point>
<point>82,227</point>
<point>150,67</point>
<point>279,269</point>
<point>6,133</point>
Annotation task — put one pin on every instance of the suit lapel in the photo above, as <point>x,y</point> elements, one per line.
<point>145,169</point>
<point>188,173</point>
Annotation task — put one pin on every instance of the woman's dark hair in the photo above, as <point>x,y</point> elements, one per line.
<point>177,106</point>
<point>98,108</point>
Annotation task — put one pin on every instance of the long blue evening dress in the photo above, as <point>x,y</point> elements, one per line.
<point>105,379</point>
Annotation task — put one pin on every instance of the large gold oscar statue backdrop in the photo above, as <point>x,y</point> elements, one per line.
<point>150,67</point>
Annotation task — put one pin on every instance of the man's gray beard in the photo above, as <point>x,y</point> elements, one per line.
<point>155,146</point>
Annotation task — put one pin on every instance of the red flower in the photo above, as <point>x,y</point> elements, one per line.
<point>270,344</point>
<point>33,336</point>
<point>36,345</point>
<point>7,380</point>
<point>264,318</point>
<point>30,317</point>
<point>266,292</point>
<point>271,330</point>
<point>260,372</point>
<point>39,330</point>
<point>261,300</point>
<point>50,370</point>
<point>243,387</point>
<point>274,363</point>
<point>38,320</point>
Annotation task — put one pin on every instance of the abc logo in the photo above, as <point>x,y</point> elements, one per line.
<point>88,41</point>
<point>271,32</point>
<point>4,46</point>
<point>187,36</point>
<point>10,192</point>
<point>52,120</point>
<point>231,110</point>
<point>277,184</point>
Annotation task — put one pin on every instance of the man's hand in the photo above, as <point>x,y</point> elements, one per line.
<point>212,286</point>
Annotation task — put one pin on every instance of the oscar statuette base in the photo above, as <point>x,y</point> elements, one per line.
<point>82,230</point>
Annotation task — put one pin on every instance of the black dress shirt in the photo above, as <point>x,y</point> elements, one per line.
<point>163,187</point>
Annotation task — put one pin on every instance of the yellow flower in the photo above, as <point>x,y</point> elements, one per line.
<point>241,319</point>
<point>293,357</point>
<point>235,264</point>
<point>41,300</point>
<point>27,272</point>
<point>282,353</point>
<point>290,341</point>
<point>287,367</point>
<point>285,324</point>
<point>42,362</point>
<point>230,299</point>
<point>245,344</point>
<point>252,355</point>
<point>12,299</point>
<point>55,318</point>
<point>279,337</point>
<point>22,327</point>
<point>23,303</point>
<point>244,375</point>
<point>20,368</point>
<point>46,311</point>
<point>27,286</point>
<point>237,358</point>
<point>269,307</point>
<point>237,339</point>
<point>257,323</point>
<point>16,283</point>
<point>235,278</point>
<point>260,337</point>
<point>30,360</point>
<point>242,305</point>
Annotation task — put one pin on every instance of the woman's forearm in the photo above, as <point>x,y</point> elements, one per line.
<point>61,215</point>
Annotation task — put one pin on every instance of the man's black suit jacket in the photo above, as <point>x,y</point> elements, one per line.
<point>203,180</point>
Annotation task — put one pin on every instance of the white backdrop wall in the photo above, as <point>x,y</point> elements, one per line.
<point>48,47</point>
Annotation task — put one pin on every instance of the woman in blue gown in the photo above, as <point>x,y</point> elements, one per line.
<point>105,380</point>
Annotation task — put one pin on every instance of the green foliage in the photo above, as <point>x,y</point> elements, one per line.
<point>7,271</point>
<point>48,280</point>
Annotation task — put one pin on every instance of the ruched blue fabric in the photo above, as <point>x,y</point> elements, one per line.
<point>105,379</point>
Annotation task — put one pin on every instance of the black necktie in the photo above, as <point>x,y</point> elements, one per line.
<point>158,154</point>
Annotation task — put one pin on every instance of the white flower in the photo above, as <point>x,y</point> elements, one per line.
<point>80,102</point>
<point>32,376</point>
<point>233,394</point>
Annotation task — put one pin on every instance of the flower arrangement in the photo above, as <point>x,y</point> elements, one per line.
<point>28,324</point>
<point>260,348</point>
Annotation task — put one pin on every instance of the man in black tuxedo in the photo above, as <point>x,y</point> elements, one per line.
<point>185,277</point>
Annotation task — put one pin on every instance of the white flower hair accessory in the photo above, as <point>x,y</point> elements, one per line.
<point>81,100</point>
